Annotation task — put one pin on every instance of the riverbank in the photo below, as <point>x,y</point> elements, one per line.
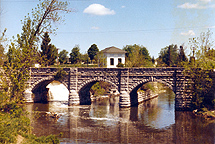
<point>205,113</point>
<point>15,127</point>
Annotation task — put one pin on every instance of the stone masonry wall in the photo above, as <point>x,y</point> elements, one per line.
<point>125,80</point>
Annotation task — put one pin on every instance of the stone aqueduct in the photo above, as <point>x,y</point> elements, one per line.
<point>126,80</point>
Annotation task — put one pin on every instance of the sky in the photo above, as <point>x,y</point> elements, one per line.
<point>154,24</point>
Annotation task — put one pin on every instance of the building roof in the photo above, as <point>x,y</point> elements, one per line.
<point>113,50</point>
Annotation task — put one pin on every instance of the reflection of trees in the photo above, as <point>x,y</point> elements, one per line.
<point>133,125</point>
<point>147,112</point>
<point>190,129</point>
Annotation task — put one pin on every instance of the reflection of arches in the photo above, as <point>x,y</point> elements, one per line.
<point>84,90</point>
<point>133,90</point>
<point>40,91</point>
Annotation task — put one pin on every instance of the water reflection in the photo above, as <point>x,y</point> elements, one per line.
<point>104,122</point>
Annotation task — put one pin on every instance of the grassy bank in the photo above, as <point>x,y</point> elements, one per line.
<point>15,127</point>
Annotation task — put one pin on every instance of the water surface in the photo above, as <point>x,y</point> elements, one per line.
<point>154,121</point>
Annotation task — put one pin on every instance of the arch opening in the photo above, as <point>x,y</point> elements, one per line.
<point>147,90</point>
<point>96,90</point>
<point>50,91</point>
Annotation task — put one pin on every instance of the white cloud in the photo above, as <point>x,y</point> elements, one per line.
<point>203,4</point>
<point>210,27</point>
<point>95,28</point>
<point>206,1</point>
<point>122,6</point>
<point>98,9</point>
<point>190,6</point>
<point>189,33</point>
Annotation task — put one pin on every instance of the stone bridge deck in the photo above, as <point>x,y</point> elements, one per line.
<point>126,80</point>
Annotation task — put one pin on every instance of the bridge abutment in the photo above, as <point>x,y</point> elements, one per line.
<point>73,98</point>
<point>28,96</point>
<point>124,99</point>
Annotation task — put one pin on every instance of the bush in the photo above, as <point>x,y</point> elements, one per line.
<point>120,65</point>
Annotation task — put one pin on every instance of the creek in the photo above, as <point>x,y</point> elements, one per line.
<point>154,121</point>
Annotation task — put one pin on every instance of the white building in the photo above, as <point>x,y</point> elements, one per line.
<point>114,56</point>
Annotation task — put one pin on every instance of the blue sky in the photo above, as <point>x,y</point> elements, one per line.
<point>151,23</point>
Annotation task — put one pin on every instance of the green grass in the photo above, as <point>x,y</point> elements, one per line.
<point>15,123</point>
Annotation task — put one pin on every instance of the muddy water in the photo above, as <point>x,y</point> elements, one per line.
<point>104,122</point>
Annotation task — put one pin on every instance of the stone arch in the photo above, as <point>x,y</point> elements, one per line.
<point>150,80</point>
<point>96,79</point>
<point>50,78</point>
<point>133,90</point>
<point>84,89</point>
<point>39,88</point>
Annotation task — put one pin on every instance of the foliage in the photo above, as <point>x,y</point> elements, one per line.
<point>23,51</point>
<point>168,56</point>
<point>2,50</point>
<point>120,65</point>
<point>181,56</point>
<point>49,52</point>
<point>60,75</point>
<point>63,56</point>
<point>75,65</point>
<point>92,51</point>
<point>100,88</point>
<point>22,54</point>
<point>137,56</point>
<point>199,69</point>
<point>75,55</point>
<point>202,50</point>
<point>148,86</point>
<point>101,59</point>
<point>84,58</point>
<point>201,84</point>
<point>14,122</point>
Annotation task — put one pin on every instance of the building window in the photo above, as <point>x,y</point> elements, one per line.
<point>119,60</point>
<point>111,61</point>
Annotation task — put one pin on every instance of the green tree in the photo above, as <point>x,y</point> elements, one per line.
<point>49,51</point>
<point>2,50</point>
<point>92,51</point>
<point>181,56</point>
<point>168,56</point>
<point>137,56</point>
<point>63,56</point>
<point>199,70</point>
<point>101,59</point>
<point>75,55</point>
<point>100,88</point>
<point>85,58</point>
<point>23,51</point>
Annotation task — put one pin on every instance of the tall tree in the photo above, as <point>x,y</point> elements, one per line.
<point>199,70</point>
<point>23,51</point>
<point>168,56</point>
<point>2,50</point>
<point>63,56</point>
<point>75,55</point>
<point>92,51</point>
<point>49,52</point>
<point>181,56</point>
<point>137,56</point>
